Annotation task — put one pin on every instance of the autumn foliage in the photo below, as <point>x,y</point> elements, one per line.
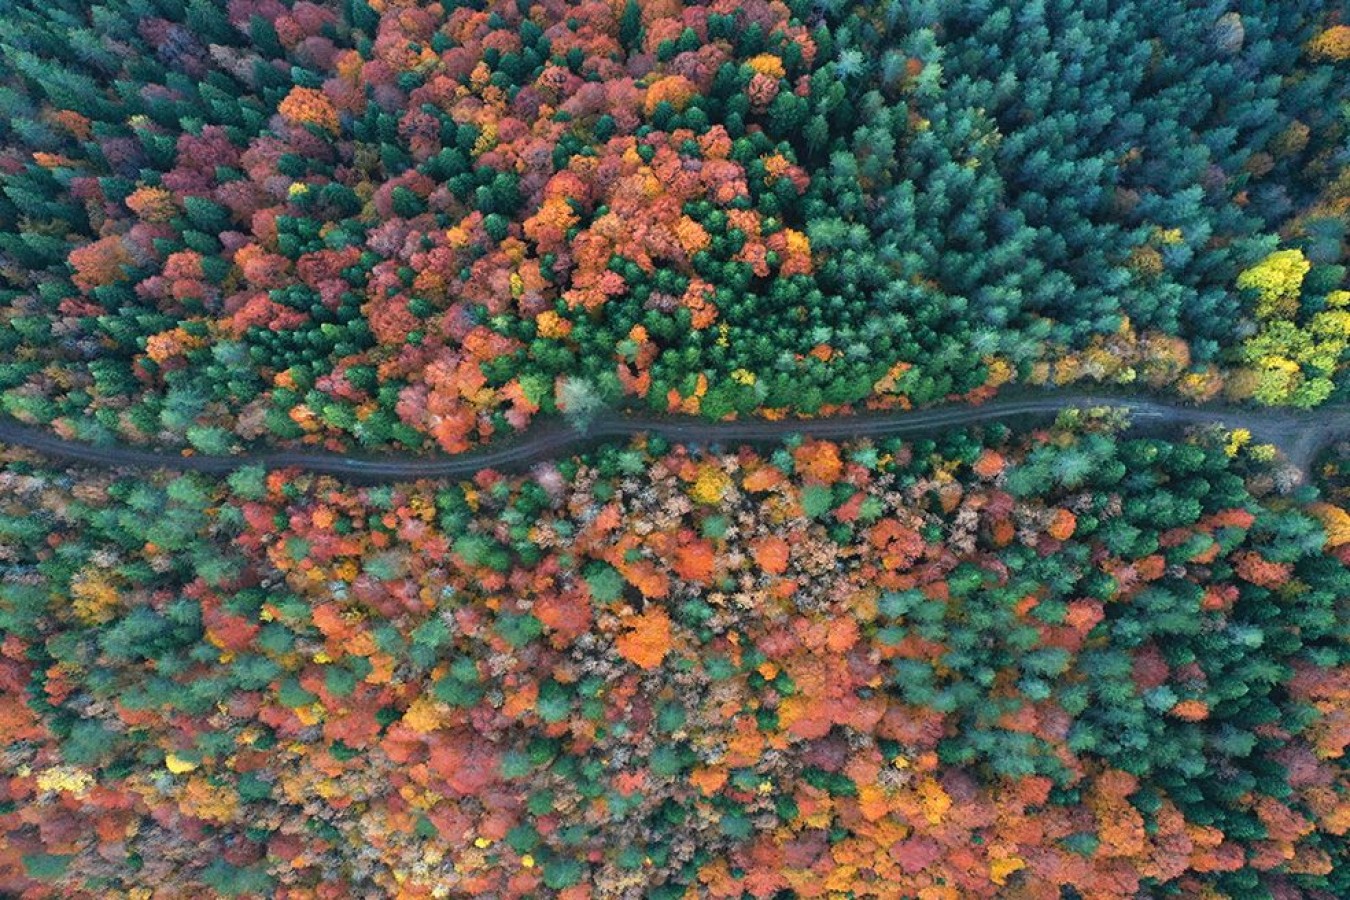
<point>411,224</point>
<point>307,106</point>
<point>1062,664</point>
<point>929,669</point>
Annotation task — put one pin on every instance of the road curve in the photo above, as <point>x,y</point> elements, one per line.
<point>1298,434</point>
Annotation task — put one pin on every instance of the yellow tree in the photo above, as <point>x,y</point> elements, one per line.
<point>1276,280</point>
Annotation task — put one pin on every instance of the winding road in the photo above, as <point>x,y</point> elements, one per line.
<point>1298,435</point>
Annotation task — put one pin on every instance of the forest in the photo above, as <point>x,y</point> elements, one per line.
<point>1067,664</point>
<point>418,225</point>
<point>1093,658</point>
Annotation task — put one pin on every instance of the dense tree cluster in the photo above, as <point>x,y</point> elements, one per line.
<point>1053,666</point>
<point>1332,473</point>
<point>407,222</point>
<point>1057,664</point>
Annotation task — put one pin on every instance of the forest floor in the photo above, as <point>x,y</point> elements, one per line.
<point>1298,435</point>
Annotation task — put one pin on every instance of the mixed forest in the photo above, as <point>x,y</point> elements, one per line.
<point>1072,661</point>
<point>1070,664</point>
<point>420,224</point>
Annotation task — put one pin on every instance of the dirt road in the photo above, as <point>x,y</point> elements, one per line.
<point>1298,434</point>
